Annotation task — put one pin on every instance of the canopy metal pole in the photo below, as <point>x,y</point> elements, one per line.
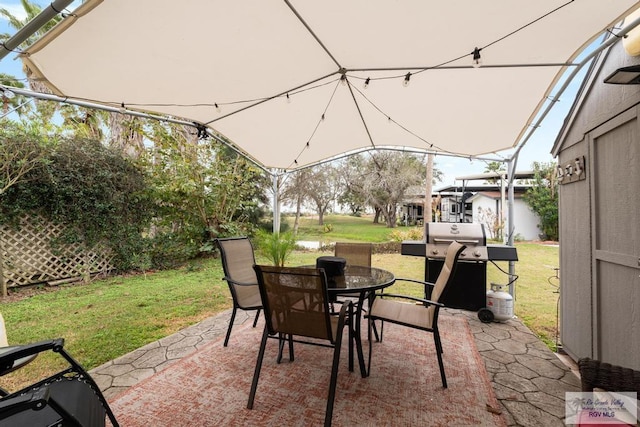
<point>31,27</point>
<point>276,202</point>
<point>64,100</point>
<point>503,217</point>
<point>511,170</point>
<point>604,45</point>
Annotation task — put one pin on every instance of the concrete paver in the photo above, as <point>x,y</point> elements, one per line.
<point>529,380</point>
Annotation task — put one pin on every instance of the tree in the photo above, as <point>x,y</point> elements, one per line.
<point>429,180</point>
<point>494,167</point>
<point>204,189</point>
<point>294,190</point>
<point>491,221</point>
<point>350,173</point>
<point>124,132</point>
<point>386,178</point>
<point>7,100</point>
<point>21,152</point>
<point>321,188</point>
<point>542,197</point>
<point>45,109</point>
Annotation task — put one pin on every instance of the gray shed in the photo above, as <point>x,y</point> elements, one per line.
<point>598,153</point>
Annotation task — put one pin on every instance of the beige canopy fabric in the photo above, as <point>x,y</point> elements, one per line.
<point>284,81</point>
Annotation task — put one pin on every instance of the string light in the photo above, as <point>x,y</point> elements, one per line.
<point>288,99</point>
<point>477,60</point>
<point>366,82</point>
<point>218,109</point>
<point>405,83</point>
<point>123,109</point>
<point>322,118</point>
<point>343,80</point>
<point>6,93</point>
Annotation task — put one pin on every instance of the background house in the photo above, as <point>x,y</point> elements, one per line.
<point>469,203</point>
<point>527,223</point>
<point>598,153</point>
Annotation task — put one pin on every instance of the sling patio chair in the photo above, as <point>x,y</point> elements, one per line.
<point>68,398</point>
<point>238,260</point>
<point>419,313</point>
<point>354,253</point>
<point>296,306</point>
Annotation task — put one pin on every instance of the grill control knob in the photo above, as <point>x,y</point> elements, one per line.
<point>435,251</point>
<point>477,253</point>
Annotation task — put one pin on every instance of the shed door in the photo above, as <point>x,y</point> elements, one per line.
<point>615,219</point>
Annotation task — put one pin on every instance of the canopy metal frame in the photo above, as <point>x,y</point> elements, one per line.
<point>57,6</point>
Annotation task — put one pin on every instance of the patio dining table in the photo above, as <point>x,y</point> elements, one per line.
<point>361,282</point>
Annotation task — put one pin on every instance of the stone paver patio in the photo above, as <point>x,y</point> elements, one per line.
<point>529,380</point>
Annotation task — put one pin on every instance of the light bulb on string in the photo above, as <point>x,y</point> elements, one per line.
<point>477,59</point>
<point>343,80</point>
<point>407,78</point>
<point>288,99</point>
<point>122,108</point>
<point>6,93</point>
<point>366,82</point>
<point>218,109</point>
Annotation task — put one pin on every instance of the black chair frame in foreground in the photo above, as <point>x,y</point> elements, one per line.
<point>68,398</point>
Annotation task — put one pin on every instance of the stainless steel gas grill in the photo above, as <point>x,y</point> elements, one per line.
<point>469,286</point>
<point>439,235</point>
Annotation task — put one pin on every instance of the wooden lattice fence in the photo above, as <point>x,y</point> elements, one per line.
<point>27,256</point>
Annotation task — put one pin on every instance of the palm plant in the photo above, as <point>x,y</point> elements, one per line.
<point>124,132</point>
<point>276,246</point>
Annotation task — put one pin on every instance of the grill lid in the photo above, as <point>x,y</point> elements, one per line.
<point>440,234</point>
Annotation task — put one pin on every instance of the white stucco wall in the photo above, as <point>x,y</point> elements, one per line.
<point>525,220</point>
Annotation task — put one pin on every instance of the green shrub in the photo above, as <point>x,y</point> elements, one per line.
<point>275,246</point>
<point>413,233</point>
<point>99,196</point>
<point>170,250</point>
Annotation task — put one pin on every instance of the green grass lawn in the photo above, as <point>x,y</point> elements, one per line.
<point>344,228</point>
<point>110,317</point>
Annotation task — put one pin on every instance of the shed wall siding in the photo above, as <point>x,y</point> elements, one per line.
<point>575,272</point>
<point>599,222</point>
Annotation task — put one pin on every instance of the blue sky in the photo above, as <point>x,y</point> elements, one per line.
<point>537,148</point>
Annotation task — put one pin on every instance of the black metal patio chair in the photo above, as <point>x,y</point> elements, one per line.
<point>419,313</point>
<point>68,398</point>
<point>296,305</point>
<point>238,260</point>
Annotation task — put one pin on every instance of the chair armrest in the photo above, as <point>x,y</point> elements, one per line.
<point>235,282</point>
<point>8,358</point>
<point>420,282</point>
<point>408,297</point>
<point>426,286</point>
<point>346,306</point>
<point>34,400</point>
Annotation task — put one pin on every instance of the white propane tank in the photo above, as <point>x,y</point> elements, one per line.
<point>500,302</point>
